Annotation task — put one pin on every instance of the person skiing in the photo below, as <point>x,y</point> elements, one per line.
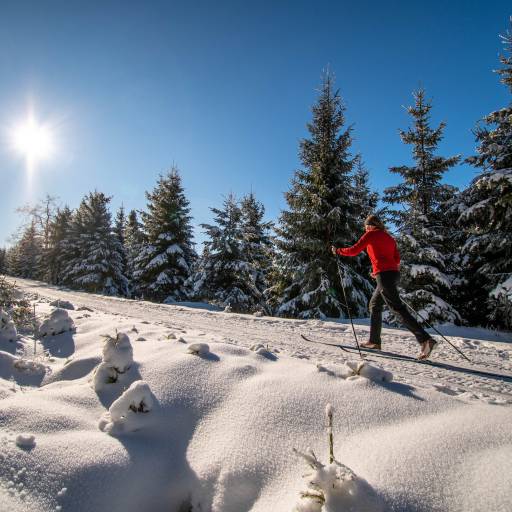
<point>385,258</point>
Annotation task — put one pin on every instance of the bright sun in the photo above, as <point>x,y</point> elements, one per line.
<point>33,140</point>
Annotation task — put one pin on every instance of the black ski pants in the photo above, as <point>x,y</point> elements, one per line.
<point>387,293</point>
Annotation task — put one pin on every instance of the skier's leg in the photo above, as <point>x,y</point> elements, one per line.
<point>376,305</point>
<point>389,282</point>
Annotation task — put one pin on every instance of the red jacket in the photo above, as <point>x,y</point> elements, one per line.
<point>381,248</point>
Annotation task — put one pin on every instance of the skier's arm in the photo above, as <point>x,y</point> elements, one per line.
<point>358,247</point>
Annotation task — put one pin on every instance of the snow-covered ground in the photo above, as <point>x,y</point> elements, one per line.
<point>213,428</point>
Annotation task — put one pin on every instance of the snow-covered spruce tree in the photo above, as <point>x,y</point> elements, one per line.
<point>95,264</point>
<point>256,247</point>
<point>418,197</point>
<point>26,256</point>
<point>57,252</point>
<point>120,231</point>
<point>485,209</point>
<point>3,260</point>
<point>321,211</point>
<point>134,240</point>
<point>225,276</point>
<point>164,263</point>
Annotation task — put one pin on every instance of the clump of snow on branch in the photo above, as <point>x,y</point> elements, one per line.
<point>363,369</point>
<point>7,327</point>
<point>198,349</point>
<point>334,487</point>
<point>57,323</point>
<point>25,440</point>
<point>130,411</point>
<point>63,304</point>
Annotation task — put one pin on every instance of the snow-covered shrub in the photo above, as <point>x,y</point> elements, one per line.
<point>58,322</point>
<point>16,305</point>
<point>117,359</point>
<point>334,487</point>
<point>63,304</point>
<point>198,349</point>
<point>130,411</point>
<point>7,327</point>
<point>118,352</point>
<point>364,369</point>
<point>104,374</point>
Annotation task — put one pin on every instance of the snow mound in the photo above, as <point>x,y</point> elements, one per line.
<point>118,352</point>
<point>363,369</point>
<point>25,440</point>
<point>63,304</point>
<point>335,488</point>
<point>7,328</point>
<point>129,412</point>
<point>58,322</point>
<point>199,349</point>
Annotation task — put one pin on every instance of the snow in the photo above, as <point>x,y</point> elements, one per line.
<point>216,433</point>
<point>7,328</point>
<point>57,323</point>
<point>118,352</point>
<point>128,412</point>
<point>63,304</point>
<point>200,349</point>
<point>25,440</point>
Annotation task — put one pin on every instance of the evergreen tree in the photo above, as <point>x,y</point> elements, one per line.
<point>321,211</point>
<point>225,276</point>
<point>59,251</point>
<point>419,197</point>
<point>134,240</point>
<point>364,199</point>
<point>485,209</point>
<point>3,260</point>
<point>120,231</point>
<point>256,247</point>
<point>25,259</point>
<point>164,263</point>
<point>95,263</point>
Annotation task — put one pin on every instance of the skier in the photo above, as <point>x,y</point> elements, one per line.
<point>383,252</point>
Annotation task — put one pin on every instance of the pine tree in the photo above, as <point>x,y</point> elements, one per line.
<point>164,263</point>
<point>25,259</point>
<point>225,277</point>
<point>95,262</point>
<point>485,209</point>
<point>419,197</point>
<point>120,231</point>
<point>58,251</point>
<point>321,212</point>
<point>134,240</point>
<point>256,247</point>
<point>3,260</point>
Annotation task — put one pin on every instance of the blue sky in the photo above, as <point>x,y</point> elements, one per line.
<point>224,89</point>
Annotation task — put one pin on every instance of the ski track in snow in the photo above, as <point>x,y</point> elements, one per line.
<point>284,335</point>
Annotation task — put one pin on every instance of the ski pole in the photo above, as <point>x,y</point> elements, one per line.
<point>348,307</point>
<point>432,327</point>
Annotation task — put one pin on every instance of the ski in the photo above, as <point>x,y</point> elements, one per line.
<point>409,359</point>
<point>323,343</point>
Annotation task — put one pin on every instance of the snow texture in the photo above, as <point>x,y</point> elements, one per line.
<point>63,304</point>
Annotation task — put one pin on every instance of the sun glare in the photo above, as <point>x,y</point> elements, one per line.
<point>33,140</point>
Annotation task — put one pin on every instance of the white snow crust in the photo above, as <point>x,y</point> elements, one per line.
<point>57,323</point>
